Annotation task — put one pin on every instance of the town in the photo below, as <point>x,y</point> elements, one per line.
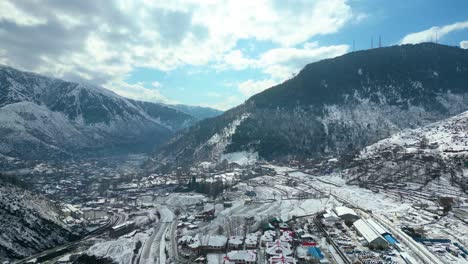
<point>254,213</point>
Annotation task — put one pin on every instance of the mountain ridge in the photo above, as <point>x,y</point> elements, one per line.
<point>433,156</point>
<point>30,223</point>
<point>44,117</point>
<point>336,105</point>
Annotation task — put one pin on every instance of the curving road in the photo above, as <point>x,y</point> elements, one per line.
<point>154,248</point>
<point>113,221</point>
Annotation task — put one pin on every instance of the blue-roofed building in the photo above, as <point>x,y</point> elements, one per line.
<point>315,252</point>
<point>390,239</point>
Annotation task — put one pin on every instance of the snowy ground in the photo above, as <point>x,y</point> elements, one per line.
<point>399,212</point>
<point>121,249</point>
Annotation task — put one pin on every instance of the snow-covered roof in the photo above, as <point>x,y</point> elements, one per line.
<point>343,210</point>
<point>242,255</point>
<point>251,239</point>
<point>366,231</point>
<point>282,260</point>
<point>286,236</point>
<point>236,240</point>
<point>376,226</point>
<point>330,215</point>
<point>214,241</point>
<point>278,248</point>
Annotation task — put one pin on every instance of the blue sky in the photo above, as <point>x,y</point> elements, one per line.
<point>214,54</point>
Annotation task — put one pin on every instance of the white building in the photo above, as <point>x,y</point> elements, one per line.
<point>240,257</point>
<point>235,242</point>
<point>347,214</point>
<point>372,238</point>
<point>278,248</point>
<point>330,218</point>
<point>282,260</point>
<point>251,241</point>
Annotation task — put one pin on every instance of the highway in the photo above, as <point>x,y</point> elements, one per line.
<point>154,247</point>
<point>113,221</point>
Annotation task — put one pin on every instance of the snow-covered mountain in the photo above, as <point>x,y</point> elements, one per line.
<point>29,223</point>
<point>42,117</point>
<point>198,112</point>
<point>434,154</point>
<point>334,106</point>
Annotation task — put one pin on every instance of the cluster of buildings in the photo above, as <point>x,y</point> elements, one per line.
<point>371,233</point>
<point>276,243</point>
<point>362,240</point>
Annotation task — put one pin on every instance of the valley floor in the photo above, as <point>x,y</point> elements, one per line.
<point>170,227</point>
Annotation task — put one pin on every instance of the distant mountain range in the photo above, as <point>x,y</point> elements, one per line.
<point>198,112</point>
<point>334,106</point>
<point>43,118</point>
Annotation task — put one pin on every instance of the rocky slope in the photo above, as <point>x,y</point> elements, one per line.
<point>436,154</point>
<point>29,223</point>
<point>41,117</point>
<point>334,106</point>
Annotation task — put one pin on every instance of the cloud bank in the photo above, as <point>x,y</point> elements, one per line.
<point>103,41</point>
<point>433,33</point>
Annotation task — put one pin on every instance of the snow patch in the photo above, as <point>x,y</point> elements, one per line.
<point>241,158</point>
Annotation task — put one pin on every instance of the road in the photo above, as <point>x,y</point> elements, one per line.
<point>422,252</point>
<point>113,221</point>
<point>122,218</point>
<point>154,248</point>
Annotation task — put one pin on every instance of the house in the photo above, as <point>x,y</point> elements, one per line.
<point>348,215</point>
<point>372,238</point>
<point>286,236</point>
<point>268,236</point>
<point>330,218</point>
<point>210,243</point>
<point>282,260</point>
<point>240,257</point>
<point>379,229</point>
<point>235,242</point>
<point>315,253</point>
<point>278,248</point>
<point>251,241</point>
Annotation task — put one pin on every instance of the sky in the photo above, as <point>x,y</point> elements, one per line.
<point>208,52</point>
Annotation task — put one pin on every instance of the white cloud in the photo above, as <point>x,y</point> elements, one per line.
<point>432,33</point>
<point>9,12</point>
<point>138,92</point>
<point>156,84</point>
<point>464,44</point>
<point>281,63</point>
<point>226,103</point>
<point>251,87</point>
<point>103,42</point>
<point>235,60</point>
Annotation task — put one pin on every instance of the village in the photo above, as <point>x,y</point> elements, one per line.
<point>261,213</point>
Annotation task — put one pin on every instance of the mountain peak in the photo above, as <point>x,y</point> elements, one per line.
<point>59,118</point>
<point>336,106</point>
